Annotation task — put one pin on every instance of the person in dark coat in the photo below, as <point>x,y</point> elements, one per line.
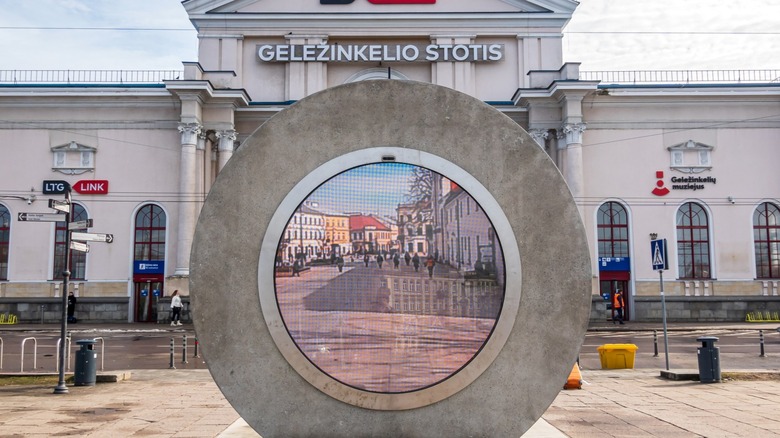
<point>416,262</point>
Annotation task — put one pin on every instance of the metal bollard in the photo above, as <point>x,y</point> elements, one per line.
<point>196,347</point>
<point>184,350</point>
<point>655,343</point>
<point>761,342</point>
<point>171,362</point>
<point>42,309</point>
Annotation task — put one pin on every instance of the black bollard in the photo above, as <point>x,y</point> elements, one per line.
<point>184,350</point>
<point>655,343</point>
<point>171,363</point>
<point>761,341</point>
<point>196,347</point>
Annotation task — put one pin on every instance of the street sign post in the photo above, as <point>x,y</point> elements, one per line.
<point>660,263</point>
<point>78,246</point>
<point>92,237</point>
<point>658,254</point>
<point>62,206</point>
<point>80,225</point>
<point>42,217</point>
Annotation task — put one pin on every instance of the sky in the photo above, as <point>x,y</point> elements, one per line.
<point>602,35</point>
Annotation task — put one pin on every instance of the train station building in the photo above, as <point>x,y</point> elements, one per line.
<point>687,156</point>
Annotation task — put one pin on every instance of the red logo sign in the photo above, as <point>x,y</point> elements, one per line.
<point>660,189</point>
<point>380,2</point>
<point>91,187</point>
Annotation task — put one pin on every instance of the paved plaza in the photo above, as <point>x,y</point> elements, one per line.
<point>612,403</point>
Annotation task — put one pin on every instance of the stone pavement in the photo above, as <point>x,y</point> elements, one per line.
<point>612,403</point>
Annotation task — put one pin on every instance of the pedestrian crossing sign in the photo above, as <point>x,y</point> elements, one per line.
<point>658,255</point>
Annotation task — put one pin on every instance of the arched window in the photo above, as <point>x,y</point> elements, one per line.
<point>78,259</point>
<point>693,242</point>
<point>766,236</point>
<point>5,236</point>
<point>149,233</point>
<point>612,226</point>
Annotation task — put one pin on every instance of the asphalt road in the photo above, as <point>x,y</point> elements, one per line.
<point>148,347</point>
<point>738,348</point>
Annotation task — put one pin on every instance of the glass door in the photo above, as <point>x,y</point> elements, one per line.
<point>147,295</point>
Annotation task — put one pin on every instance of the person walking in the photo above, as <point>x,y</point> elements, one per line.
<point>407,258</point>
<point>175,308</point>
<point>430,263</point>
<point>416,262</point>
<point>340,263</point>
<point>366,259</point>
<point>396,260</point>
<point>380,260</point>
<point>617,307</point>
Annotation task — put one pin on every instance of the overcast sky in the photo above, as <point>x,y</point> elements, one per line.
<point>603,35</point>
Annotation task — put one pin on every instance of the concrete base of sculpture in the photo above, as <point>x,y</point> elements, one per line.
<point>542,339</point>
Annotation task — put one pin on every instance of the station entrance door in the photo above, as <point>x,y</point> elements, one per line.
<point>146,295</point>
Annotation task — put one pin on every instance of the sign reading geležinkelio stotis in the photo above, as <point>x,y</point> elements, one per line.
<point>380,52</point>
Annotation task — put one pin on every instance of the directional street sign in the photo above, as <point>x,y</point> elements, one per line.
<point>658,255</point>
<point>41,217</point>
<point>80,225</point>
<point>62,206</point>
<point>92,237</point>
<point>78,246</point>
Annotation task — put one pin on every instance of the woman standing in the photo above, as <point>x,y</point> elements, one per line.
<point>176,308</point>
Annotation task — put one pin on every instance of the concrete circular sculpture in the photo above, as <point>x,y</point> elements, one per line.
<point>475,341</point>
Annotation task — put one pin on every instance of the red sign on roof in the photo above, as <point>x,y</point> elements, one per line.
<point>91,187</point>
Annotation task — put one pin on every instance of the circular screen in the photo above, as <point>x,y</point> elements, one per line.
<point>389,277</point>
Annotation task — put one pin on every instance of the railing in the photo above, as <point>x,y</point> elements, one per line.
<point>88,76</point>
<point>35,353</point>
<point>682,76</point>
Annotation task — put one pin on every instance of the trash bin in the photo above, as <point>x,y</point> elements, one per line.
<point>614,356</point>
<point>86,363</point>
<point>709,360</point>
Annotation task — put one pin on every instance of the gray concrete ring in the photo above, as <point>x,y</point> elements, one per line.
<point>513,391</point>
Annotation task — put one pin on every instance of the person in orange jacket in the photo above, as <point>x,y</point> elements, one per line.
<point>617,306</point>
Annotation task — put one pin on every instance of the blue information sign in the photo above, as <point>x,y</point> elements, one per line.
<point>614,264</point>
<point>156,293</point>
<point>658,255</point>
<point>144,292</point>
<point>149,267</point>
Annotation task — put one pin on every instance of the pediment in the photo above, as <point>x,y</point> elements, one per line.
<point>198,7</point>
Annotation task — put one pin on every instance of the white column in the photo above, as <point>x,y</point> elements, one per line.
<point>573,166</point>
<point>226,139</point>
<point>187,195</point>
<point>540,136</point>
<point>202,176</point>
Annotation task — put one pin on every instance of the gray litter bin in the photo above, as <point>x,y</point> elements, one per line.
<point>86,363</point>
<point>709,360</point>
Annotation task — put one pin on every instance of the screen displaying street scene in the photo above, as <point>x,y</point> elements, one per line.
<point>389,277</point>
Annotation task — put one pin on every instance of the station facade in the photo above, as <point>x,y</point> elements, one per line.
<point>688,156</point>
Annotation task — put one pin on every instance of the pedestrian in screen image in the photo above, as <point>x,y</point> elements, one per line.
<point>617,307</point>
<point>175,308</point>
<point>416,262</point>
<point>430,263</point>
<point>366,259</point>
<point>380,260</point>
<point>396,260</point>
<point>71,307</point>
<point>296,268</point>
<point>340,263</point>
<point>407,258</point>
